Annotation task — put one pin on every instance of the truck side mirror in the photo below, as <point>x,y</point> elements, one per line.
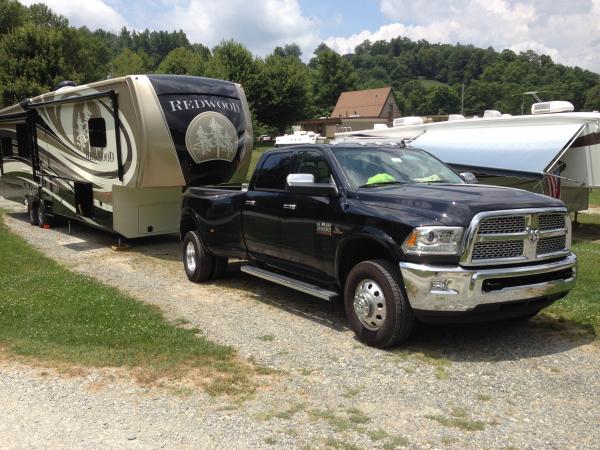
<point>304,183</point>
<point>469,177</point>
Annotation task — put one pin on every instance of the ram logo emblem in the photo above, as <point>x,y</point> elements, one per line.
<point>533,234</point>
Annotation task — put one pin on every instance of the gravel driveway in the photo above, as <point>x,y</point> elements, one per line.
<point>506,385</point>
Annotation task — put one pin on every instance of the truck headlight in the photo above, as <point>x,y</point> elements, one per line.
<point>433,241</point>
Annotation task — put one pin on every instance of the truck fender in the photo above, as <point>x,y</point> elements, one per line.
<point>379,237</point>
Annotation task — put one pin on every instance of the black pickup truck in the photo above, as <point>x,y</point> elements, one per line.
<point>390,229</point>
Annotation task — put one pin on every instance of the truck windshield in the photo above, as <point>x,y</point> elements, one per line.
<point>372,166</point>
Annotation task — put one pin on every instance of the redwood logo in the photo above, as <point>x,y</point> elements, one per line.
<point>211,136</point>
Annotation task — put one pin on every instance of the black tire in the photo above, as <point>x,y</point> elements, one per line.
<point>198,263</point>
<point>32,210</point>
<point>220,265</point>
<point>42,213</point>
<point>395,320</point>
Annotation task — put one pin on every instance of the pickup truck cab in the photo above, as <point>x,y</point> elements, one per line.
<point>391,230</point>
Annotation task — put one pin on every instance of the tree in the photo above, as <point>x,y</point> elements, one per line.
<point>183,61</point>
<point>442,100</point>
<point>331,75</point>
<point>12,15</point>
<point>592,99</point>
<point>233,62</point>
<point>280,91</point>
<point>128,63</point>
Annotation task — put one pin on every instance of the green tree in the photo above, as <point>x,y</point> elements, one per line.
<point>280,91</point>
<point>12,15</point>
<point>442,100</point>
<point>183,61</point>
<point>592,99</point>
<point>332,74</point>
<point>128,63</point>
<point>232,61</point>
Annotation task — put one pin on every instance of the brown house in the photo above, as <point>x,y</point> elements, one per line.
<point>357,110</point>
<point>370,103</point>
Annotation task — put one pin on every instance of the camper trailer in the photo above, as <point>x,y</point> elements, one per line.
<point>552,151</point>
<point>117,154</point>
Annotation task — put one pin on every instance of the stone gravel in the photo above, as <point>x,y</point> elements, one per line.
<point>503,385</point>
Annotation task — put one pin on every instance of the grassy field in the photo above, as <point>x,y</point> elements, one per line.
<point>428,84</point>
<point>582,305</point>
<point>595,197</point>
<point>51,315</point>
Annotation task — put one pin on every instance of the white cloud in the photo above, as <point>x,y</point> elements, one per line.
<point>569,33</point>
<point>259,24</point>
<point>91,13</point>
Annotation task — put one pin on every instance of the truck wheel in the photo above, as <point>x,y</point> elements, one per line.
<point>376,306</point>
<point>197,261</point>
<point>32,210</point>
<point>220,267</point>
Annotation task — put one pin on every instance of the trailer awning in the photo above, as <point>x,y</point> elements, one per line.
<point>519,150</point>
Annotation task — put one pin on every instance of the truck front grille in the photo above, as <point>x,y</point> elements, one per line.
<point>551,245</point>
<point>497,249</point>
<point>517,236</point>
<point>502,224</point>
<point>552,222</point>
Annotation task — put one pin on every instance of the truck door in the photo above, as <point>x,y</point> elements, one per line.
<point>263,207</point>
<point>308,225</point>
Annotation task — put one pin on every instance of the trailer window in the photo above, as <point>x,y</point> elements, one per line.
<point>274,171</point>
<point>6,147</point>
<point>23,141</point>
<point>97,130</point>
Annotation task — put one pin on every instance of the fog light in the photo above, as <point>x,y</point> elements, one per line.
<point>441,286</point>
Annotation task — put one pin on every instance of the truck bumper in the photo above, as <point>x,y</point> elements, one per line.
<point>456,291</point>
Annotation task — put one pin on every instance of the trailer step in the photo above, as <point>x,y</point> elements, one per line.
<point>292,283</point>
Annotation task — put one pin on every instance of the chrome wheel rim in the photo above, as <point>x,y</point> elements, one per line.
<point>190,256</point>
<point>369,304</point>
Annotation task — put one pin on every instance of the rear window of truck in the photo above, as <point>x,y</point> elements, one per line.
<point>274,171</point>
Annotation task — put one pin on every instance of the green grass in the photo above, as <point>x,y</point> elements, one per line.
<point>595,197</point>
<point>458,419</point>
<point>582,305</point>
<point>51,315</point>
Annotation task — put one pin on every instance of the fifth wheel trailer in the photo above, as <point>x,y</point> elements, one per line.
<point>117,154</point>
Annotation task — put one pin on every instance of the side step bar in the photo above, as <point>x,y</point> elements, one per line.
<point>292,283</point>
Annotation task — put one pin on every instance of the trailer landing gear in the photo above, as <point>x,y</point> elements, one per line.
<point>121,246</point>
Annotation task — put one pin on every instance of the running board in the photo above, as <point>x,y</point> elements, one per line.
<point>292,283</point>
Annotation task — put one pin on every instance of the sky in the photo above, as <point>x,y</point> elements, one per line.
<point>567,30</point>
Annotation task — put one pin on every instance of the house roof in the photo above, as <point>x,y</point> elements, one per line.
<point>367,103</point>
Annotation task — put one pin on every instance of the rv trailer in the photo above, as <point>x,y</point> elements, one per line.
<point>552,151</point>
<point>117,154</point>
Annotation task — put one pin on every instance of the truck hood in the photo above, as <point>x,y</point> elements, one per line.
<point>452,204</point>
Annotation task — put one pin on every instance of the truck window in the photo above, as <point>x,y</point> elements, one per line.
<point>274,171</point>
<point>313,162</point>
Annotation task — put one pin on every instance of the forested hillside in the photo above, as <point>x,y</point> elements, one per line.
<point>38,49</point>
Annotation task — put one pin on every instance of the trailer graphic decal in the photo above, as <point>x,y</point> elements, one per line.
<point>211,136</point>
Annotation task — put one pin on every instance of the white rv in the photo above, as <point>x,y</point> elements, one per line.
<point>117,154</point>
<point>552,151</point>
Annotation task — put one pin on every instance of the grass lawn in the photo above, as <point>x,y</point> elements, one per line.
<point>428,84</point>
<point>595,197</point>
<point>582,305</point>
<point>53,316</point>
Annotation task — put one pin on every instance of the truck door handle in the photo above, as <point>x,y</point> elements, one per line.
<point>250,202</point>
<point>289,206</point>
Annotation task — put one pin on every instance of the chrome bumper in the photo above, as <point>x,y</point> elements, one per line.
<point>438,288</point>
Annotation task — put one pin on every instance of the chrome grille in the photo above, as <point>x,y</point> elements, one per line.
<point>551,245</point>
<point>502,224</point>
<point>552,222</point>
<point>497,250</point>
<point>517,236</point>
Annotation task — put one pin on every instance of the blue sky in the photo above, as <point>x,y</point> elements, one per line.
<point>568,31</point>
